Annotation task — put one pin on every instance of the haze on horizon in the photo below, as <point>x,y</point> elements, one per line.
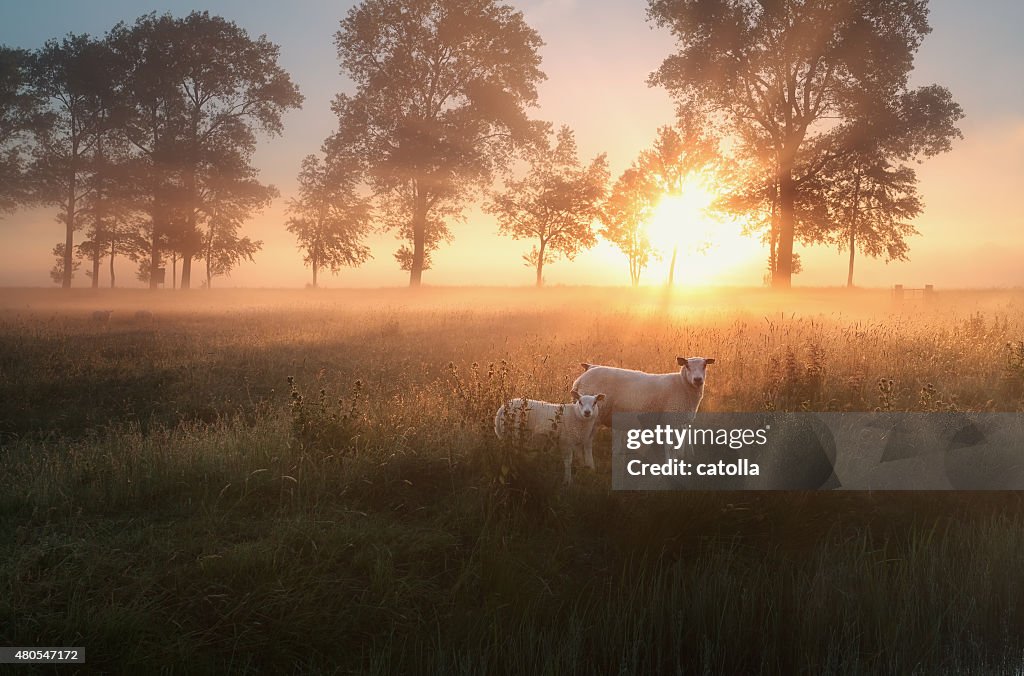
<point>597,58</point>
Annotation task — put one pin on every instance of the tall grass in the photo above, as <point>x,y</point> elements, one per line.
<point>314,486</point>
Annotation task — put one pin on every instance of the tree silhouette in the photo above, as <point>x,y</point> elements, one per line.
<point>196,91</point>
<point>873,203</point>
<point>108,208</point>
<point>869,188</point>
<point>22,115</point>
<point>678,152</point>
<point>750,190</point>
<point>329,218</point>
<point>231,198</point>
<point>72,76</point>
<point>789,72</point>
<point>441,87</point>
<point>58,273</point>
<point>555,203</point>
<point>625,215</point>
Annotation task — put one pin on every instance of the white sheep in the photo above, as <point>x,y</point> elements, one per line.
<point>569,426</point>
<point>628,391</point>
<point>102,316</point>
<point>143,316</point>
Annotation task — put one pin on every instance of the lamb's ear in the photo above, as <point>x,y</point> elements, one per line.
<point>709,361</point>
<point>599,397</point>
<point>681,361</point>
<point>575,395</point>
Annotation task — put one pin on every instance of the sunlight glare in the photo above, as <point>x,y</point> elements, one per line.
<point>712,248</point>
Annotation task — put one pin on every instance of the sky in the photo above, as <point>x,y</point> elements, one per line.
<point>597,57</point>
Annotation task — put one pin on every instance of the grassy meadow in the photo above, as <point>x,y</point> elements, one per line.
<point>308,482</point>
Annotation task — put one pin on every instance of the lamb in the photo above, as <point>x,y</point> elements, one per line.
<point>102,316</point>
<point>570,426</point>
<point>631,391</point>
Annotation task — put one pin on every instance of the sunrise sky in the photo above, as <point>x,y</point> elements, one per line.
<point>597,57</point>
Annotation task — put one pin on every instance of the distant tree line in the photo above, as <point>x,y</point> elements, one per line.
<point>143,139</point>
<point>812,97</point>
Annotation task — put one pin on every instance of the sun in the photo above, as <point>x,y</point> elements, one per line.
<point>679,218</point>
<point>710,248</point>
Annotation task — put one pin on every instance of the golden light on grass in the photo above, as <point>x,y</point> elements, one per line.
<point>710,246</point>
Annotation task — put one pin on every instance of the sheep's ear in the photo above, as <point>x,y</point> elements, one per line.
<point>709,361</point>
<point>575,395</point>
<point>600,397</point>
<point>681,361</point>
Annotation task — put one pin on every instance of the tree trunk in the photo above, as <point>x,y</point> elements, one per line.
<point>112,250</point>
<point>853,230</point>
<point>783,277</point>
<point>174,270</point>
<point>97,250</point>
<point>419,239</point>
<point>672,266</point>
<point>186,270</point>
<point>773,232</point>
<point>853,249</point>
<point>69,239</point>
<point>154,246</point>
<point>540,265</point>
<point>314,275</point>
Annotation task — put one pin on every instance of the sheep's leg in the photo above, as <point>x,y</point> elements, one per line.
<point>588,449</point>
<point>567,455</point>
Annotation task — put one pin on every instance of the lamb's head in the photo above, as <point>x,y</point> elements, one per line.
<point>586,404</point>
<point>694,369</point>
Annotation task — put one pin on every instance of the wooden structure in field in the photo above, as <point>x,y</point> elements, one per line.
<point>900,292</point>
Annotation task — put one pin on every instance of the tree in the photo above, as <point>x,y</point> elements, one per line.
<point>21,116</point>
<point>232,201</point>
<point>555,203</point>
<point>789,71</point>
<point>329,218</point>
<point>58,273</point>
<point>873,203</point>
<point>72,75</point>
<point>678,153</point>
<point>441,87</point>
<point>750,190</point>
<point>196,91</point>
<point>109,210</point>
<point>625,214</point>
<point>870,189</point>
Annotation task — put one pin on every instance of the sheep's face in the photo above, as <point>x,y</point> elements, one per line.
<point>694,369</point>
<point>586,404</point>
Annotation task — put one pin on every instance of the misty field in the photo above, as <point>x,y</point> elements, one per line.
<point>308,482</point>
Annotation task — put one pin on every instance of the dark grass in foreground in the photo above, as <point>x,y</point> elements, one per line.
<point>216,522</point>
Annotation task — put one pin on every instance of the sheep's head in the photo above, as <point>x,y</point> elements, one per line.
<point>694,369</point>
<point>586,404</point>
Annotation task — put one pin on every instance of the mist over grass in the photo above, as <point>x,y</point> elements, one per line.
<point>171,498</point>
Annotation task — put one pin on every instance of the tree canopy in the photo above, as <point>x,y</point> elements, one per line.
<point>625,215</point>
<point>329,218</point>
<point>556,202</point>
<point>441,88</point>
<point>195,92</point>
<point>784,75</point>
<point>22,115</point>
